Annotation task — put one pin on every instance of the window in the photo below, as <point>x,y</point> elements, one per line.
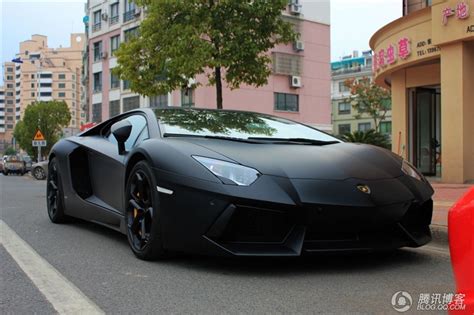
<point>9,69</point>
<point>114,13</point>
<point>9,126</point>
<point>114,80</point>
<point>114,43</point>
<point>62,76</point>
<point>159,101</point>
<point>32,76</point>
<point>46,75</point>
<point>9,110</point>
<point>364,126</point>
<point>62,85</point>
<point>97,82</point>
<point>97,51</point>
<point>74,77</point>
<point>97,112</point>
<point>130,103</point>
<point>386,127</point>
<point>129,11</point>
<point>114,108</point>
<point>45,94</point>
<point>343,87</point>
<point>286,102</point>
<point>9,93</point>
<point>9,77</point>
<point>126,85</point>
<point>32,94</point>
<point>61,94</point>
<point>97,21</point>
<point>344,129</point>
<point>9,86</point>
<point>130,33</point>
<point>344,108</point>
<point>46,85</point>
<point>187,97</point>
<point>10,118</point>
<point>32,85</point>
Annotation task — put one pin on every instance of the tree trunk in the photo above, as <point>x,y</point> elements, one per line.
<point>219,88</point>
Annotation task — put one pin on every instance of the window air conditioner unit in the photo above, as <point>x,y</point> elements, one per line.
<point>295,9</point>
<point>299,45</point>
<point>103,55</point>
<point>105,16</point>
<point>296,82</point>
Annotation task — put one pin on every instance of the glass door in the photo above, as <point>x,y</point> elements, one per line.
<point>426,133</point>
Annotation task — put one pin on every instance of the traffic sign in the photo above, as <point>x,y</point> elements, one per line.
<point>39,143</point>
<point>39,135</point>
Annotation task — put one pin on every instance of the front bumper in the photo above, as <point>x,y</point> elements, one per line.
<point>286,217</point>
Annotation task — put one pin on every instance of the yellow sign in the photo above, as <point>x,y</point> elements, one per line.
<point>38,136</point>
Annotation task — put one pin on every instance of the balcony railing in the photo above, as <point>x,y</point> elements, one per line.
<point>352,70</point>
<point>129,15</point>
<point>114,20</point>
<point>96,27</point>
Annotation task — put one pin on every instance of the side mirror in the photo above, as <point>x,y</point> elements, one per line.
<point>121,131</point>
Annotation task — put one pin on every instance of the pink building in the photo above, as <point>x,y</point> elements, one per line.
<point>298,89</point>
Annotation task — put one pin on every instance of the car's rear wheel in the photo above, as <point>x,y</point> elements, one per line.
<point>38,173</point>
<point>55,194</point>
<point>143,214</point>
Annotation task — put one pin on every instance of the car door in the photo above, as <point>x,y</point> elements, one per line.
<point>107,167</point>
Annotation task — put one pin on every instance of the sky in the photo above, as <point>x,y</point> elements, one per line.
<point>353,22</point>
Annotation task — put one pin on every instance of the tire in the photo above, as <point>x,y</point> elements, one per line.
<point>38,173</point>
<point>142,214</point>
<point>55,194</point>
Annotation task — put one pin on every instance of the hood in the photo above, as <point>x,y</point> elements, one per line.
<point>336,161</point>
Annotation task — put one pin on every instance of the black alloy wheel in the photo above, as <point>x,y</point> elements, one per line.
<point>38,173</point>
<point>54,194</point>
<point>143,226</point>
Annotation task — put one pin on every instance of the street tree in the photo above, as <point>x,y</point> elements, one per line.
<point>49,117</point>
<point>370,99</point>
<point>224,40</point>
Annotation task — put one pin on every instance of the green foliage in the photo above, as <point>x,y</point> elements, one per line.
<point>369,137</point>
<point>10,151</point>
<point>369,98</point>
<point>226,40</point>
<point>50,117</point>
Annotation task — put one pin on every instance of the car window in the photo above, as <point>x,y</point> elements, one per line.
<point>138,134</point>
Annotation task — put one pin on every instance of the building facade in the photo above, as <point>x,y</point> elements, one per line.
<point>427,58</point>
<point>10,103</point>
<point>298,88</point>
<point>45,74</point>
<point>344,118</point>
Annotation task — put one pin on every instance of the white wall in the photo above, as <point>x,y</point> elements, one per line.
<point>317,10</point>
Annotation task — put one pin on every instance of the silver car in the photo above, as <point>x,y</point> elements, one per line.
<point>40,170</point>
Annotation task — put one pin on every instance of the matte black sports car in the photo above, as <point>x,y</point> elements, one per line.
<point>236,183</point>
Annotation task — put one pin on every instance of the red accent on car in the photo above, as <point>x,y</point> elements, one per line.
<point>461,246</point>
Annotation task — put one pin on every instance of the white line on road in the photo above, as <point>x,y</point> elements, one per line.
<point>64,296</point>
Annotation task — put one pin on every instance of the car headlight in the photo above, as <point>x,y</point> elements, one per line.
<point>238,174</point>
<point>410,170</point>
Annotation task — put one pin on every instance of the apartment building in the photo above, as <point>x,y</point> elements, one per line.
<point>344,117</point>
<point>10,102</point>
<point>299,87</point>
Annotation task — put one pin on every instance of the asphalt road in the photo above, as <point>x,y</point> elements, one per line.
<point>100,264</point>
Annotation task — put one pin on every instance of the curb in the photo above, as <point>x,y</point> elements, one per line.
<point>439,234</point>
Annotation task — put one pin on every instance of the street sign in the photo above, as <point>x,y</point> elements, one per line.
<point>39,143</point>
<point>39,135</point>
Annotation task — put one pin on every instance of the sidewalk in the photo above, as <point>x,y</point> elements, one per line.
<point>444,197</point>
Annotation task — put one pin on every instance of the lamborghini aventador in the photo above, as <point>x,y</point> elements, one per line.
<point>237,183</point>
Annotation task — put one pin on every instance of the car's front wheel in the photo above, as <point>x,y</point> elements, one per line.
<point>38,173</point>
<point>55,194</point>
<point>143,214</point>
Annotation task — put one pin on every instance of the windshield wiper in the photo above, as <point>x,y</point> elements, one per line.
<point>179,135</point>
<point>294,141</point>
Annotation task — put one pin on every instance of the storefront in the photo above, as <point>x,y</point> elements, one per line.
<point>427,58</point>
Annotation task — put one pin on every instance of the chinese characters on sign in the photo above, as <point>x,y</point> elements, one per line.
<point>461,11</point>
<point>389,56</point>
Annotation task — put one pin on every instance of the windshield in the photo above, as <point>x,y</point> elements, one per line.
<point>233,124</point>
<point>13,158</point>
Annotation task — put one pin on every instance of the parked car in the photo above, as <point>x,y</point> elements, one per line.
<point>2,161</point>
<point>222,182</point>
<point>40,170</point>
<point>28,162</point>
<point>14,164</point>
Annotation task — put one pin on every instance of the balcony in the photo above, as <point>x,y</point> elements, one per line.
<point>96,27</point>
<point>114,20</point>
<point>131,15</point>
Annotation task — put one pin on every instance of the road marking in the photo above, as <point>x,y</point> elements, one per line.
<point>64,296</point>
